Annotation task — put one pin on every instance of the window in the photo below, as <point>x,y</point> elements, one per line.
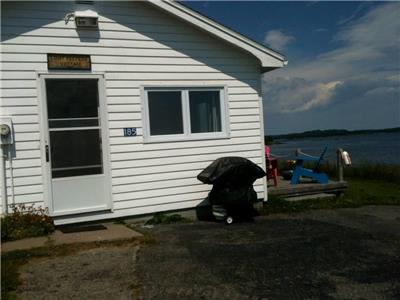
<point>165,113</point>
<point>180,114</point>
<point>205,111</point>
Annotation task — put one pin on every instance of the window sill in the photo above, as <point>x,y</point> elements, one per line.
<point>185,138</point>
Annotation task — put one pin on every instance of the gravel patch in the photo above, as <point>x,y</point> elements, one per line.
<point>101,273</point>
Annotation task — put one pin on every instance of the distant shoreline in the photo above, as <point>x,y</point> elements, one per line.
<point>326,133</point>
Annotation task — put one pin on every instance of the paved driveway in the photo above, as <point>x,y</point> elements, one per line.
<point>337,254</point>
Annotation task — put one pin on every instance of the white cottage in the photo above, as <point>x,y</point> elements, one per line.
<point>115,107</point>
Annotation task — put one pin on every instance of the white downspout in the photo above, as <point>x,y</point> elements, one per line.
<point>3,179</point>
<point>264,164</point>
<point>10,163</point>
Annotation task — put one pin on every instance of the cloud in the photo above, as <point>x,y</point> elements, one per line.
<point>320,30</point>
<point>357,11</point>
<point>281,89</point>
<point>365,68</point>
<point>312,3</point>
<point>277,40</point>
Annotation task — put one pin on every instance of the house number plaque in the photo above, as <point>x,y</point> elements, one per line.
<point>130,131</point>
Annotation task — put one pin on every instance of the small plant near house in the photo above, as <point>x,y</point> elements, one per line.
<point>25,221</point>
<point>160,218</point>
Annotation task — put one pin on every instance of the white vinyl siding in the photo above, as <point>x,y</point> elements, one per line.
<point>136,46</point>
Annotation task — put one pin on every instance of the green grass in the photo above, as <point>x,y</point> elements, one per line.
<point>360,192</point>
<point>366,170</point>
<point>161,218</point>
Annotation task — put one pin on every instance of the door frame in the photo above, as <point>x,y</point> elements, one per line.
<point>45,137</point>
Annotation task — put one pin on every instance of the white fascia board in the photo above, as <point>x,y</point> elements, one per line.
<point>268,58</point>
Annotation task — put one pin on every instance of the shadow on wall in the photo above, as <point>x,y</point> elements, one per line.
<point>184,38</point>
<point>150,23</point>
<point>90,35</point>
<point>14,24</point>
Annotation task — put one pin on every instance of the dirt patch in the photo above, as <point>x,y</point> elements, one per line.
<point>100,273</point>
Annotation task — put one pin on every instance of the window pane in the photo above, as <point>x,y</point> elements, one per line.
<point>165,112</point>
<point>76,152</point>
<point>72,98</point>
<point>205,111</point>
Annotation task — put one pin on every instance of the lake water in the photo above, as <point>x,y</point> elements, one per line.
<point>376,147</point>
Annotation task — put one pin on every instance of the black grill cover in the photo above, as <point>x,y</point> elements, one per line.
<point>233,197</point>
<point>231,172</point>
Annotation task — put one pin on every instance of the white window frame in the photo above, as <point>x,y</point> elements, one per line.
<point>186,135</point>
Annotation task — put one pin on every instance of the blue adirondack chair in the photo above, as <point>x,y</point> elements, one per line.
<point>314,173</point>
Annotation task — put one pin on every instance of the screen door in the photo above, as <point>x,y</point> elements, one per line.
<point>74,150</point>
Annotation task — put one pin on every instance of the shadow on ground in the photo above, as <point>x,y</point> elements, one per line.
<point>286,257</point>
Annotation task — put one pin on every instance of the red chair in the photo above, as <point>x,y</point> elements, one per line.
<point>272,166</point>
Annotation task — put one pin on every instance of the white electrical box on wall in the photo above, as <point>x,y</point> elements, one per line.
<point>6,131</point>
<point>86,18</point>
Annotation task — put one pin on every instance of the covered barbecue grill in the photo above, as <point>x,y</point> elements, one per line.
<point>232,195</point>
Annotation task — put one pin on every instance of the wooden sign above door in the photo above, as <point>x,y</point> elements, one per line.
<point>68,62</point>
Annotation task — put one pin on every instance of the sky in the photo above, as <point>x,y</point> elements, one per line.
<point>344,61</point>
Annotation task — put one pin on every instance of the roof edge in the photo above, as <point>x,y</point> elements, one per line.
<point>268,58</point>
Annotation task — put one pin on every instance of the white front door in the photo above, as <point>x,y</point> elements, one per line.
<point>76,162</point>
